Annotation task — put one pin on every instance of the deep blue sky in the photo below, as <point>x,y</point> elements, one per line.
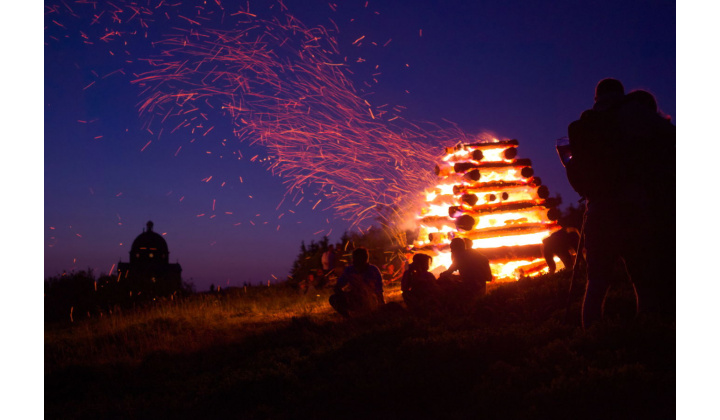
<point>520,69</point>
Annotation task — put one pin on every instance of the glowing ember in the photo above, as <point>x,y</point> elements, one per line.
<point>258,70</point>
<point>487,195</point>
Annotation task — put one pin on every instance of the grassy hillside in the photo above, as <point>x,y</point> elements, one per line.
<point>271,353</point>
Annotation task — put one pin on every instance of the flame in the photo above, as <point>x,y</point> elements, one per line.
<point>462,154</point>
<point>445,189</point>
<point>503,272</point>
<point>510,174</point>
<point>495,155</point>
<point>503,219</point>
<point>434,210</point>
<point>510,240</point>
<point>491,211</point>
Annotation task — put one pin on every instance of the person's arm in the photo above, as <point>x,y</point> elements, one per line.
<point>378,283</point>
<point>342,280</point>
<point>453,267</point>
<point>547,253</point>
<point>404,283</point>
<point>487,272</point>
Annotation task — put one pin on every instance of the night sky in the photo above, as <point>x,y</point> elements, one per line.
<point>518,69</point>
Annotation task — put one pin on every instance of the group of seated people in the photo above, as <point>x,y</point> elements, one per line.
<point>360,287</point>
<point>422,293</point>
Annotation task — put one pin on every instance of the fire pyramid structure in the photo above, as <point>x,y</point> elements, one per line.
<point>486,194</point>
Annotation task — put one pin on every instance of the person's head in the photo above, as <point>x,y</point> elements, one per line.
<point>468,243</point>
<point>608,88</point>
<point>644,99</point>
<point>331,247</point>
<point>457,245</point>
<point>421,262</point>
<point>360,257</point>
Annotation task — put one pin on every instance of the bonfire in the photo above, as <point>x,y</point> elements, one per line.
<point>488,195</point>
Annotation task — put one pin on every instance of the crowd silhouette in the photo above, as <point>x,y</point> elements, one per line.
<point>621,160</point>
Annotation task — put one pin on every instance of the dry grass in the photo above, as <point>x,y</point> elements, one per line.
<point>275,354</point>
<point>184,325</point>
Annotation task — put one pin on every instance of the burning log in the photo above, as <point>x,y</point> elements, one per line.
<point>496,202</point>
<point>478,154</point>
<point>502,191</point>
<point>490,174</point>
<point>542,190</point>
<point>469,199</point>
<point>449,151</point>
<point>466,219</point>
<point>474,171</point>
<point>476,158</point>
<point>533,268</point>
<point>465,222</point>
<point>517,163</point>
<point>492,145</point>
<point>487,186</point>
<point>554,214</point>
<point>473,175</point>
<point>510,230</point>
<point>499,255</point>
<point>444,170</point>
<point>438,237</point>
<point>534,214</point>
<point>504,207</point>
<point>510,153</point>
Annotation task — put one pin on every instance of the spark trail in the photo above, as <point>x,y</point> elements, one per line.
<point>282,86</point>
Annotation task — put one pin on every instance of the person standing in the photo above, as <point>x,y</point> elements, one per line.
<point>613,166</point>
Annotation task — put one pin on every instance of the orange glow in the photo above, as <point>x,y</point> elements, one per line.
<point>500,204</point>
<point>510,240</point>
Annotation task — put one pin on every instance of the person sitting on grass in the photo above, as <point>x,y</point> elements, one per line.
<point>359,288</point>
<point>473,270</point>
<point>419,286</point>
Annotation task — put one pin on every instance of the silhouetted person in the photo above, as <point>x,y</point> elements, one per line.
<point>563,244</point>
<point>643,98</point>
<point>394,269</point>
<point>328,259</point>
<point>419,287</point>
<point>309,284</point>
<point>320,278</point>
<point>359,288</point>
<point>657,174</point>
<point>623,155</point>
<point>473,273</point>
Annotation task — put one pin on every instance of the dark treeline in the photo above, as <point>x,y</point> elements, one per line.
<point>80,294</point>
<point>386,250</point>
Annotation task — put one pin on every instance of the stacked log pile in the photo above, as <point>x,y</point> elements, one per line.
<point>487,194</point>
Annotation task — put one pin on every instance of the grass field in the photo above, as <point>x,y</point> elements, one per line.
<point>272,353</point>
